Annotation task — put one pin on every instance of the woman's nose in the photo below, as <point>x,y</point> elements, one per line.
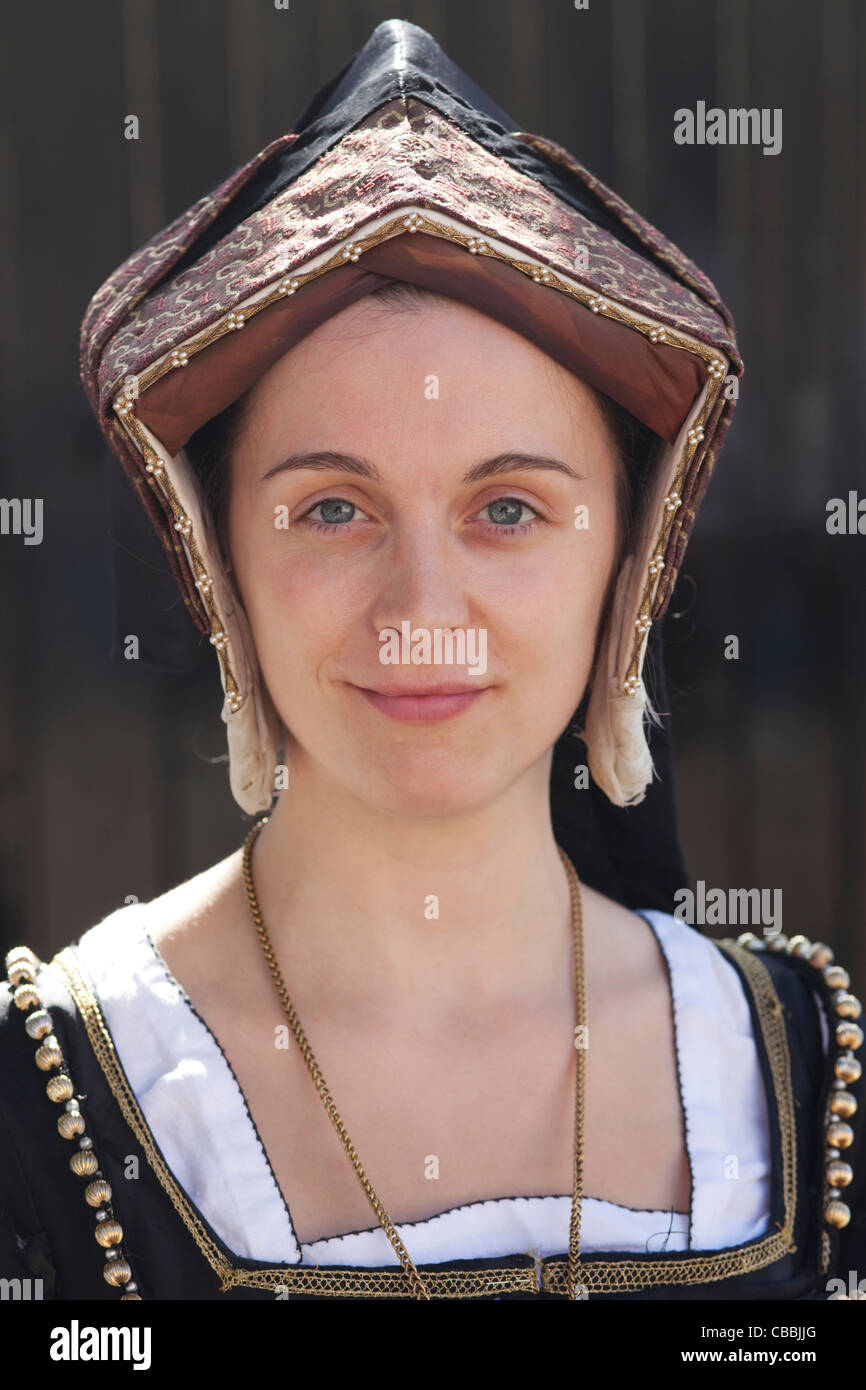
<point>423,583</point>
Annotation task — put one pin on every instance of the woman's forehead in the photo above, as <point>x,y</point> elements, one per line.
<point>443,359</point>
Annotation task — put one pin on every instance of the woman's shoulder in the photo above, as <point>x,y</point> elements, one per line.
<point>801,975</point>
<point>114,958</point>
<point>770,983</point>
<point>717,990</point>
<point>803,981</point>
<point>186,911</point>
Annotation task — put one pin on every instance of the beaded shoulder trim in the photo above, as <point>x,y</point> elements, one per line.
<point>22,969</point>
<point>831,983</point>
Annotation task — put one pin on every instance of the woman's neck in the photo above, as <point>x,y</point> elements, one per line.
<point>476,906</point>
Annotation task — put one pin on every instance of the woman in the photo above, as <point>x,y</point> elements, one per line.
<point>409,392</point>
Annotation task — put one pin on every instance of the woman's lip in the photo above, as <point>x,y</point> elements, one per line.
<point>434,703</point>
<point>443,688</point>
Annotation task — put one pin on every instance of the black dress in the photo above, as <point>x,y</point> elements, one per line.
<point>51,1217</point>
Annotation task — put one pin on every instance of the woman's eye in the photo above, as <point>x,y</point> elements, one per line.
<point>505,516</point>
<point>505,513</point>
<point>336,514</point>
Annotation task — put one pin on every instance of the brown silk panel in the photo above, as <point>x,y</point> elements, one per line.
<point>658,384</point>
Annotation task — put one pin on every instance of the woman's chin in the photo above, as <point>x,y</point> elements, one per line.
<point>414,794</point>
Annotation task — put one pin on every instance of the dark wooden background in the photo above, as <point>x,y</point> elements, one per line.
<point>113,780</point>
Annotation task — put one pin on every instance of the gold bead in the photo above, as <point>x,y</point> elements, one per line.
<point>848,1005</point>
<point>59,1087</point>
<point>95,1193</point>
<point>109,1233</point>
<point>69,1124</point>
<point>27,997</point>
<point>38,1025</point>
<point>49,1054</point>
<point>20,953</point>
<point>849,1035</point>
<point>116,1272</point>
<point>821,955</point>
<point>840,1135</point>
<point>127,1297</point>
<point>21,974</point>
<point>21,966</point>
<point>836,977</point>
<point>842,1103</point>
<point>839,1174</point>
<point>799,946</point>
<point>847,1069</point>
<point>84,1163</point>
<point>837,1213</point>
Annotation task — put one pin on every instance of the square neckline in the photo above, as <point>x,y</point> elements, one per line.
<point>305,1247</point>
<point>603,1266</point>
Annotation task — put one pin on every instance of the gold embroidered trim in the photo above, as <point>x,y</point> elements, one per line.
<point>776,1043</point>
<point>235,319</point>
<point>595,1275</point>
<point>334,1282</point>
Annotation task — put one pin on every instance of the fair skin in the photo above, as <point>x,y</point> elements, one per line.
<point>449,1036</point>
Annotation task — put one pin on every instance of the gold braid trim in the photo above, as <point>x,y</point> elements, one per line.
<point>595,1275</point>
<point>336,1282</point>
<point>776,1044</point>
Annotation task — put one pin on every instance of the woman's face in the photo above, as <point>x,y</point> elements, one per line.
<point>436,462</point>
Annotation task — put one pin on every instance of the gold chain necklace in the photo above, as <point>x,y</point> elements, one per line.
<point>415,1282</point>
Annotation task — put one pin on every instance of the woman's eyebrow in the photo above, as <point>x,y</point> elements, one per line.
<point>350,463</point>
<point>508,462</point>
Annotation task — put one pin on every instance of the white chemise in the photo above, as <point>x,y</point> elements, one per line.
<point>191,1099</point>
